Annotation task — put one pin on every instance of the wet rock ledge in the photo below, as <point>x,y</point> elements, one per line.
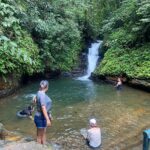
<point>15,141</point>
<point>143,84</point>
<point>25,146</point>
<point>8,85</point>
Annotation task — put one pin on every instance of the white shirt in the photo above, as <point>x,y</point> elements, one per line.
<point>94,137</point>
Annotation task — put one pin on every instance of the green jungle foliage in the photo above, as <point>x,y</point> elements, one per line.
<point>18,53</point>
<point>44,35</point>
<point>127,39</point>
<point>55,32</point>
<point>60,28</point>
<point>37,36</point>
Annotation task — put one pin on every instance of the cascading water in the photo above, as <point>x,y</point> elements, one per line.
<point>92,59</point>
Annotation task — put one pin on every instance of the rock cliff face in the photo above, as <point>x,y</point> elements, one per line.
<point>8,85</point>
<point>142,84</point>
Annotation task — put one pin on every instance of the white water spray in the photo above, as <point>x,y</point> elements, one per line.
<point>92,59</point>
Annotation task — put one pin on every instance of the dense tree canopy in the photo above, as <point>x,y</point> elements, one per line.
<point>127,40</point>
<point>18,52</point>
<point>38,36</point>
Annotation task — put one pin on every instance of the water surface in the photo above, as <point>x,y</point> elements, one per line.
<point>122,115</point>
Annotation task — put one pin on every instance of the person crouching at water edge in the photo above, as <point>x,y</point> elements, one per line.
<point>93,137</point>
<point>42,116</point>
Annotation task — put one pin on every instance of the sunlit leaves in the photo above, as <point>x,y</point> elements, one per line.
<point>132,62</point>
<point>56,32</point>
<point>127,42</point>
<point>18,53</point>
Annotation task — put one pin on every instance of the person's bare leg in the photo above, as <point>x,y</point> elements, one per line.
<point>44,136</point>
<point>40,135</point>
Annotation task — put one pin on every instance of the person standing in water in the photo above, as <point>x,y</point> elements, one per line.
<point>119,84</point>
<point>42,116</point>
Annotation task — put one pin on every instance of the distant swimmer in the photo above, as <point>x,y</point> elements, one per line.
<point>119,84</point>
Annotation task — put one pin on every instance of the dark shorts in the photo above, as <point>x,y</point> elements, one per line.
<point>119,87</point>
<point>93,148</point>
<point>40,121</point>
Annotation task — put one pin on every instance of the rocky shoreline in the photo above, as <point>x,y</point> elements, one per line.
<point>22,145</point>
<point>15,141</point>
<point>135,83</point>
<point>12,84</point>
<point>140,84</point>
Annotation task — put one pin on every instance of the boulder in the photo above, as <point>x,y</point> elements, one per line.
<point>3,132</point>
<point>8,85</point>
<point>142,84</point>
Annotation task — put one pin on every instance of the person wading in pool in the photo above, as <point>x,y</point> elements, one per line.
<point>42,116</point>
<point>119,84</point>
<point>27,112</point>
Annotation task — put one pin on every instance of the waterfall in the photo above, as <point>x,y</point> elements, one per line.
<point>93,55</point>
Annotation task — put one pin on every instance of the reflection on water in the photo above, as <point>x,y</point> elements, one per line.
<point>122,115</point>
<point>90,92</point>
